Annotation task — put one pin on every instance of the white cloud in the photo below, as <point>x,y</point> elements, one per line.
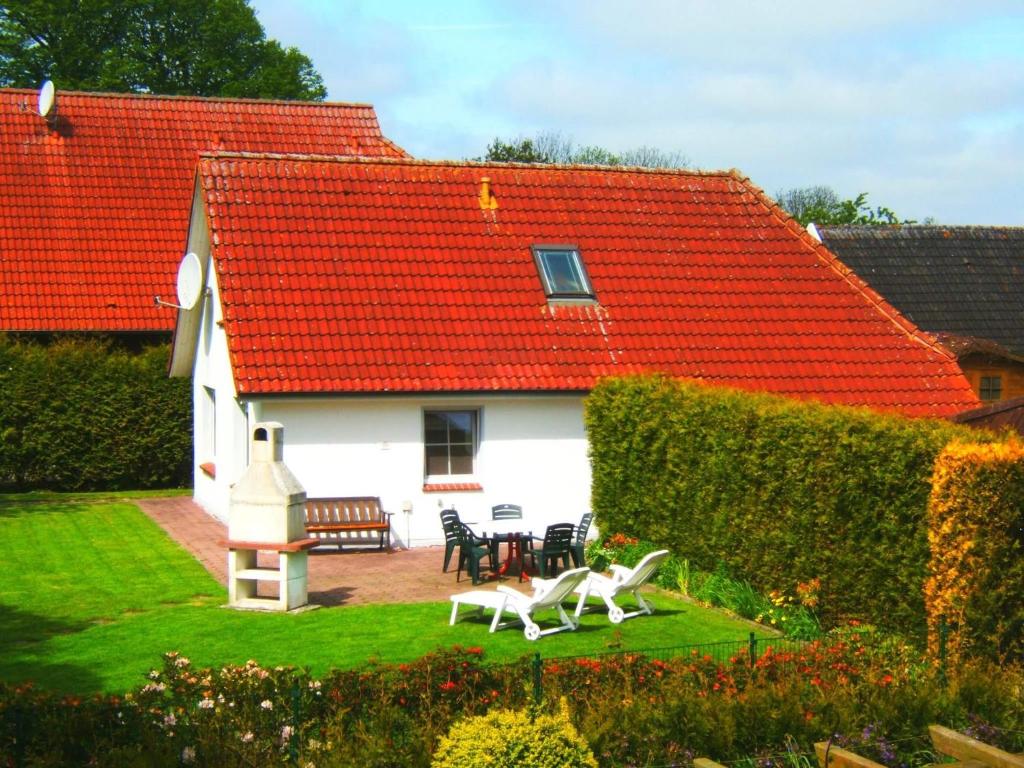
<point>919,103</point>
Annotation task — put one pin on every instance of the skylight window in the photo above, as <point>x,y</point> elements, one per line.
<point>561,271</point>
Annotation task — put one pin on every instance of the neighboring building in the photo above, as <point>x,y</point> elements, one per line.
<point>95,198</point>
<point>963,284</point>
<point>426,332</point>
<point>1006,414</point>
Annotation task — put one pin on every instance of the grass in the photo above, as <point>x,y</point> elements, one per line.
<point>93,593</point>
<point>9,499</point>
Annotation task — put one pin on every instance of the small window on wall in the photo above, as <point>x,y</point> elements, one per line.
<point>209,421</point>
<point>991,388</point>
<point>449,441</point>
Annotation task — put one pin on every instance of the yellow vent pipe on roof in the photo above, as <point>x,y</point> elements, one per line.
<point>488,202</point>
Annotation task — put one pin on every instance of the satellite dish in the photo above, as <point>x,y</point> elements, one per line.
<point>812,230</point>
<point>47,100</point>
<point>190,280</point>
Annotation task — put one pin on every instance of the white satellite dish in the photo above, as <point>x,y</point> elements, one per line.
<point>190,280</point>
<point>812,230</point>
<point>47,99</point>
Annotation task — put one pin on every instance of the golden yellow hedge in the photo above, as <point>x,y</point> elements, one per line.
<point>975,519</point>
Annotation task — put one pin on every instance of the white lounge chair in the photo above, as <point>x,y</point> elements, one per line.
<point>623,581</point>
<point>548,594</point>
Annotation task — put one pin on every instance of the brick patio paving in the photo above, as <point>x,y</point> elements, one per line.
<point>349,577</point>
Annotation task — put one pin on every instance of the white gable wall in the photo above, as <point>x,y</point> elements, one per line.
<point>221,439</point>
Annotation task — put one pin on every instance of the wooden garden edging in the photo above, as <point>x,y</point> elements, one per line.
<point>965,748</point>
<point>829,754</point>
<point>970,752</point>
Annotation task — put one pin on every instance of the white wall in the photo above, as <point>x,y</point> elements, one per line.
<point>532,452</point>
<point>231,441</point>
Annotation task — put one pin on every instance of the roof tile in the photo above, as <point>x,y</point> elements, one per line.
<point>963,281</point>
<point>350,275</point>
<point>97,209</point>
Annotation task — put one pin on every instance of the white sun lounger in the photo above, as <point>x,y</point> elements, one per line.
<point>623,581</point>
<point>548,594</point>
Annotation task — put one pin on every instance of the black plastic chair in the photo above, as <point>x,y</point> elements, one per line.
<point>472,549</point>
<point>450,523</point>
<point>556,546</point>
<point>579,541</point>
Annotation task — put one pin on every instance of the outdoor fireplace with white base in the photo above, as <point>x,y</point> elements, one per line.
<point>266,515</point>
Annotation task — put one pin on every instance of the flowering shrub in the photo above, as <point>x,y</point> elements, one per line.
<point>629,708</point>
<point>507,737</point>
<point>872,744</point>
<point>794,616</point>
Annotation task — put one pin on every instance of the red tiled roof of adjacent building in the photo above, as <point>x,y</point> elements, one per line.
<point>94,210</point>
<point>359,276</point>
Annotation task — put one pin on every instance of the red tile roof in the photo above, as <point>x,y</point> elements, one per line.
<point>94,213</point>
<point>349,276</point>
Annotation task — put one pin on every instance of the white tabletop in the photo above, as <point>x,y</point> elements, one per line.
<point>507,526</point>
<point>511,525</point>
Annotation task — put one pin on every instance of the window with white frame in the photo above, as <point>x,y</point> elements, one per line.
<point>450,440</point>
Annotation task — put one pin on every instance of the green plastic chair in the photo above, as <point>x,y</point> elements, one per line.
<point>557,545</point>
<point>579,541</point>
<point>450,523</point>
<point>472,549</point>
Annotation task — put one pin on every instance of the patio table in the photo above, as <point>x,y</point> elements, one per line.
<point>511,531</point>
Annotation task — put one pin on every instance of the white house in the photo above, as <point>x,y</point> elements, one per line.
<point>426,332</point>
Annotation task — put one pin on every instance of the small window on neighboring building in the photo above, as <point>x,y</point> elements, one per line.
<point>449,440</point>
<point>561,271</point>
<point>991,388</point>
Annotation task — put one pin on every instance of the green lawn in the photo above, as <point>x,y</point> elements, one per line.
<point>93,593</point>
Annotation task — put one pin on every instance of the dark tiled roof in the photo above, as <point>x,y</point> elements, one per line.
<point>349,275</point>
<point>94,210</point>
<point>964,281</point>
<point>1006,413</point>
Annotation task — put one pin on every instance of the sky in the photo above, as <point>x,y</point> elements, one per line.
<point>919,104</point>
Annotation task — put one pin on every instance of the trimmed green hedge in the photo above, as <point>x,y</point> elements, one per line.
<point>779,491</point>
<point>81,414</point>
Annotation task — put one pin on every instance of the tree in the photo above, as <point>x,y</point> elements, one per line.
<point>553,147</point>
<point>193,47</point>
<point>822,205</point>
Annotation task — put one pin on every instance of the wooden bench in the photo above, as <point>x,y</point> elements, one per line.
<point>332,519</point>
